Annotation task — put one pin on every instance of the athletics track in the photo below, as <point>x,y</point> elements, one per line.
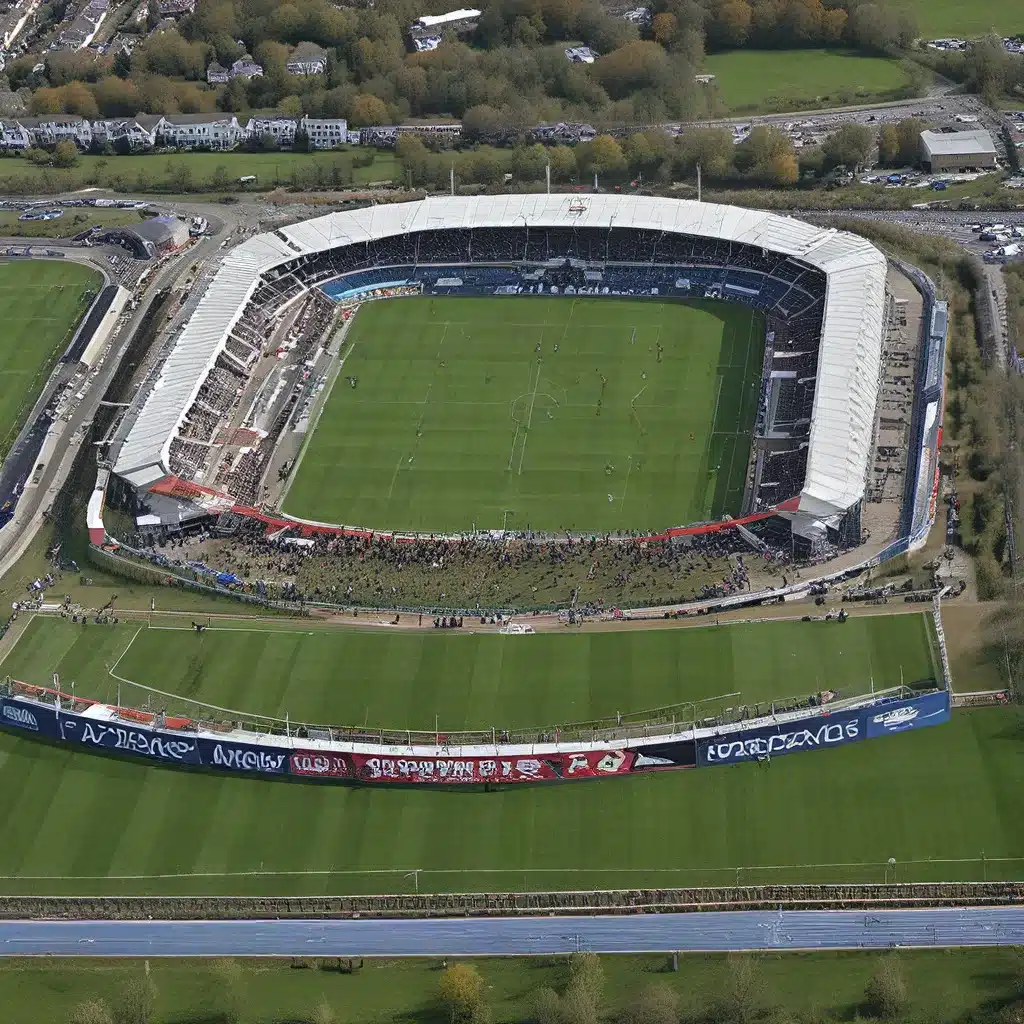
<point>835,929</point>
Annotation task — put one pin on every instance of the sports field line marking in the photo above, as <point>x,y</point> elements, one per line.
<point>394,477</point>
<point>121,658</point>
<point>326,872</point>
<point>625,488</point>
<point>529,418</point>
<point>233,629</point>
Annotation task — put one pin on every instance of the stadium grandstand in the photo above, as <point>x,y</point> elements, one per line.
<point>201,431</point>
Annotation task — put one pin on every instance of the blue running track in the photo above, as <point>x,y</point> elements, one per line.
<point>826,929</point>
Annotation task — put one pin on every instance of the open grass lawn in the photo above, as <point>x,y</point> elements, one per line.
<point>535,413</point>
<point>941,18</point>
<point>403,680</point>
<point>185,172</point>
<point>943,802</point>
<point>41,303</point>
<point>781,80</point>
<point>945,985</point>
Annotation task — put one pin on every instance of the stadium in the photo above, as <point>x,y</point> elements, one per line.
<point>245,415</point>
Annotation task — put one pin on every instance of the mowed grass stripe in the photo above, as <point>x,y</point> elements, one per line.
<point>41,302</point>
<point>543,438</point>
<point>825,815</point>
<point>461,680</point>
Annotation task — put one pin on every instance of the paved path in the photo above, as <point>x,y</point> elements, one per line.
<point>837,929</point>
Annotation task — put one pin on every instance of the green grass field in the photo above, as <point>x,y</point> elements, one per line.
<point>41,303</point>
<point>781,80</point>
<point>942,985</point>
<point>77,822</point>
<point>941,18</point>
<point>187,172</point>
<point>639,420</point>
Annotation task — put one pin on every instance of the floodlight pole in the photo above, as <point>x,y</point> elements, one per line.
<point>698,183</point>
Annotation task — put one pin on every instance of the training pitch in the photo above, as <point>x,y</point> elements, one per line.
<point>41,303</point>
<point>535,413</point>
<point>82,823</point>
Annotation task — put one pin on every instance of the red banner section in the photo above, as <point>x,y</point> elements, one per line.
<point>587,764</point>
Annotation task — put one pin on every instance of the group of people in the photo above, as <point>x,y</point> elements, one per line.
<point>481,573</point>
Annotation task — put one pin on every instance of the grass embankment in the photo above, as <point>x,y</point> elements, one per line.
<point>949,985</point>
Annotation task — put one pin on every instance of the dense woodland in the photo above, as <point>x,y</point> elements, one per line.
<point>514,63</point>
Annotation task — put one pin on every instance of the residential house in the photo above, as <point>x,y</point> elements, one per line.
<point>82,29</point>
<point>246,67</point>
<point>581,54</point>
<point>217,74</point>
<point>136,132</point>
<point>123,42</point>
<point>208,131</point>
<point>14,136</point>
<point>176,8</point>
<point>307,59</point>
<point>325,132</point>
<point>565,133</point>
<point>53,128</point>
<point>282,128</point>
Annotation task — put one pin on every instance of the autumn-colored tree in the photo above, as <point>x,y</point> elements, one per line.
<point>603,156</point>
<point>65,154</point>
<point>664,27</point>
<point>366,109</point>
<point>460,991</point>
<point>638,65</point>
<point>730,25</point>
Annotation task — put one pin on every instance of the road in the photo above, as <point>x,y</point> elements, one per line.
<point>18,534</point>
<point>739,930</point>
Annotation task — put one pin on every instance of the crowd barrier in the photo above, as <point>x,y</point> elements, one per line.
<point>181,742</point>
<point>510,904</point>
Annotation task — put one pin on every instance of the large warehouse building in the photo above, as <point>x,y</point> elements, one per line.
<point>950,152</point>
<point>831,284</point>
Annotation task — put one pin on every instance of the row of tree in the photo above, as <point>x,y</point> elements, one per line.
<point>765,157</point>
<point>514,63</point>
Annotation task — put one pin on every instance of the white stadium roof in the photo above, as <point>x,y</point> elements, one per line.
<point>849,362</point>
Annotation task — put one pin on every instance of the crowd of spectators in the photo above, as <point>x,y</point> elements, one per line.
<point>590,574</point>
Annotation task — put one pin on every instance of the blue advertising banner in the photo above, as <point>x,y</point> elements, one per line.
<point>129,739</point>
<point>781,738</point>
<point>242,757</point>
<point>29,717</point>
<point>931,709</point>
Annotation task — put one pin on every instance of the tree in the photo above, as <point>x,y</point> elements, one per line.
<point>65,154</point>
<point>886,992</point>
<point>529,162</point>
<point>657,1003</point>
<point>664,27</point>
<point>484,123</point>
<point>229,984</point>
<point>767,156</point>
<point>547,1007</point>
<point>602,155</point>
<point>712,148</point>
<point>730,26</point>
<point>135,1002</point>
<point>850,146</point>
<point>563,163</point>
<point>460,992</point>
<point>743,992</point>
<point>367,110</point>
<point>323,1013</point>
<point>909,133</point>
<point>888,145</point>
<point>37,156</point>
<point>300,144</point>
<point>91,1011</point>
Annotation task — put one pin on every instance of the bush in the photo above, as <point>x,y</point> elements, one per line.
<point>886,993</point>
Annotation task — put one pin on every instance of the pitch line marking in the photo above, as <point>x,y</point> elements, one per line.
<point>323,872</point>
<point>121,658</point>
<point>234,629</point>
<point>529,419</point>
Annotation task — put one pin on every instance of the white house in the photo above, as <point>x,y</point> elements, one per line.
<point>246,67</point>
<point>217,74</point>
<point>307,59</point>
<point>325,132</point>
<point>139,132</point>
<point>282,128</point>
<point>14,135</point>
<point>581,54</point>
<point>189,131</point>
<point>54,128</point>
